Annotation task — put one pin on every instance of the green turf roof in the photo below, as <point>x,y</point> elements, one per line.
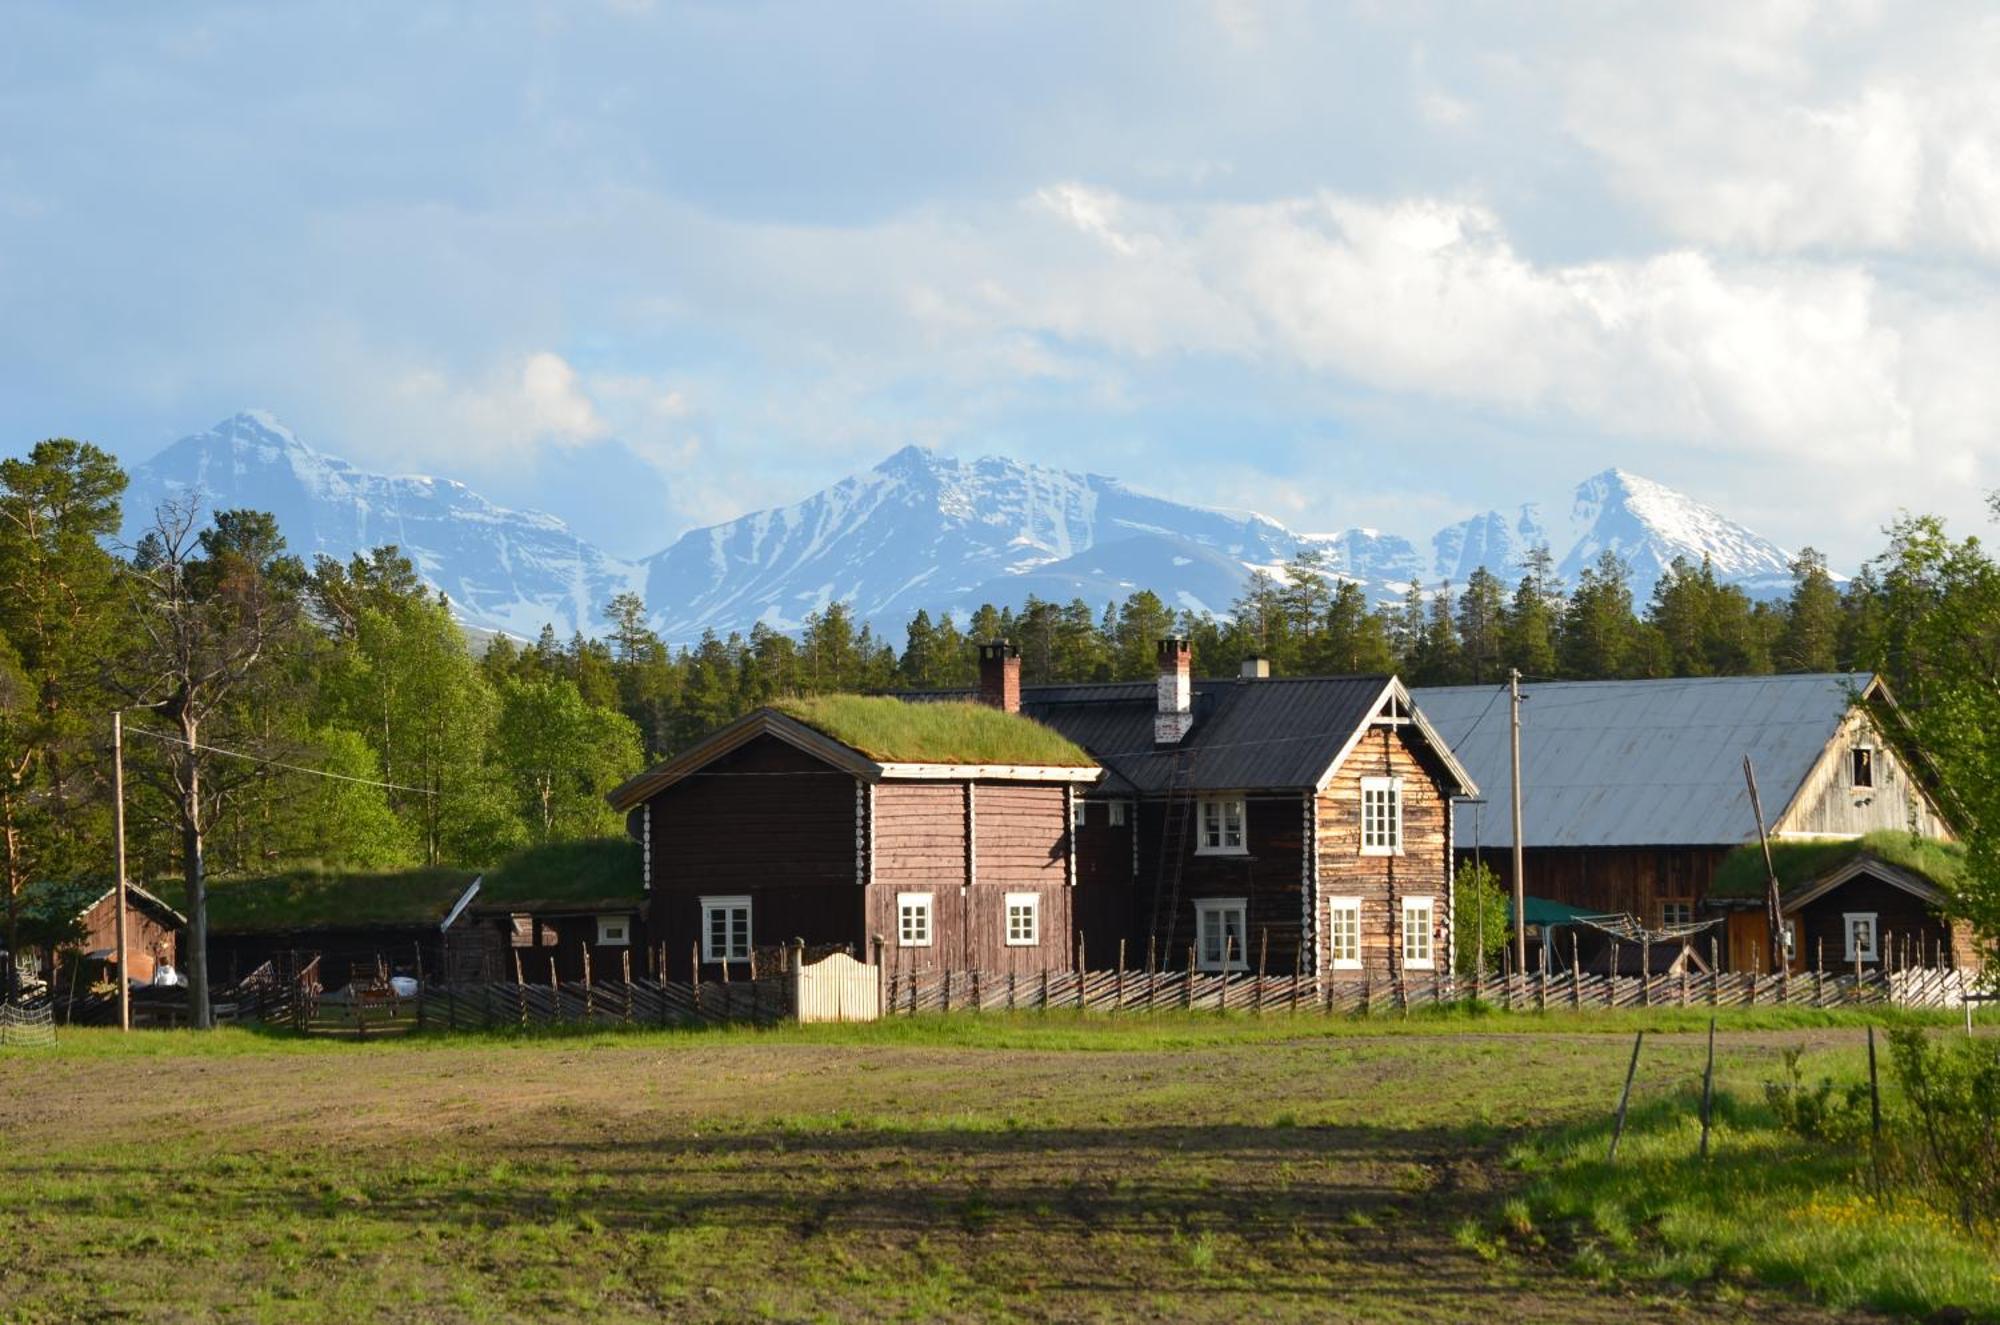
<point>1799,863</point>
<point>599,870</point>
<point>947,732</point>
<point>325,899</point>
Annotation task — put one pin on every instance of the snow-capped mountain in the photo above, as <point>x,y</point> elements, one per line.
<point>931,531</point>
<point>1487,540</point>
<point>919,530</point>
<point>505,570</point>
<point>1648,524</point>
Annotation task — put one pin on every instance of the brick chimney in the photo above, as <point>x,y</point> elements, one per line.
<point>1176,711</point>
<point>1256,667</point>
<point>1000,676</point>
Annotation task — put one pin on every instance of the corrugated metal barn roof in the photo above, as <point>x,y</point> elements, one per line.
<point>1267,733</point>
<point>1639,763</point>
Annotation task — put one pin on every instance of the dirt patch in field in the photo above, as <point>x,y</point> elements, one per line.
<point>725,1177</point>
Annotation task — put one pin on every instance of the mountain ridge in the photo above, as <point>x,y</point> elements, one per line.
<point>919,529</point>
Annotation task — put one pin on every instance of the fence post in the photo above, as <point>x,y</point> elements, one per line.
<point>1118,996</point>
<point>1708,1090</point>
<point>1188,993</point>
<point>1263,953</point>
<point>1625,1098</point>
<point>521,988</point>
<point>1874,1115</point>
<point>1080,968</point>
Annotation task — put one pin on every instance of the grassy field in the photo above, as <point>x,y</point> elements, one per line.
<point>1040,1168</point>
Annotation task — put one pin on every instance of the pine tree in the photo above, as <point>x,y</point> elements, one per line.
<point>1810,640</point>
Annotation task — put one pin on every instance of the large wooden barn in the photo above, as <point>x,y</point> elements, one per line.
<point>943,828</point>
<point>1633,793</point>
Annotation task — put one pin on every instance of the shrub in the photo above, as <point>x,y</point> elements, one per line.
<point>1823,1112</point>
<point>1953,1093</point>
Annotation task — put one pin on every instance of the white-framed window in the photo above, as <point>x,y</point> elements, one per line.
<point>1860,929</point>
<point>614,931</point>
<point>1791,941</point>
<point>725,929</point>
<point>1343,932</point>
<point>913,920</point>
<point>1024,919</point>
<point>1381,816</point>
<point>1677,911</point>
<point>1221,827</point>
<point>1419,937</point>
<point>1118,812</point>
<point>1861,767</point>
<point>1221,926</point>
<point>1076,812</point>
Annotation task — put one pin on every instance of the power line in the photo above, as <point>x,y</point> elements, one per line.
<point>276,763</point>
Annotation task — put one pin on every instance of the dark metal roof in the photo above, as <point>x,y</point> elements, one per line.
<point>1268,733</point>
<point>1640,763</point>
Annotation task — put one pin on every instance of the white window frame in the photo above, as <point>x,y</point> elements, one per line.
<point>1336,908</point>
<point>1031,903</point>
<point>1791,941</point>
<point>1428,906</point>
<point>1392,787</point>
<point>1867,954</point>
<point>910,905</point>
<point>1076,815</point>
<point>1208,911</point>
<point>732,902</point>
<point>624,924</point>
<point>1117,817</point>
<point>1220,809</point>
<point>1852,781</point>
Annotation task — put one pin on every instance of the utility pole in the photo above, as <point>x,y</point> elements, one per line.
<point>118,838</point>
<point>1774,915</point>
<point>1520,886</point>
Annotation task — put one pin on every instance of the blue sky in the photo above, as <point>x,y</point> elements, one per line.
<point>653,265</point>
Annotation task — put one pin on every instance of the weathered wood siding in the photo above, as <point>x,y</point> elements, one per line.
<point>770,822</point>
<point>1020,843</point>
<point>1609,880</point>
<point>920,846</point>
<point>151,939</point>
<point>1104,903</point>
<point>1829,804</point>
<point>1423,868</point>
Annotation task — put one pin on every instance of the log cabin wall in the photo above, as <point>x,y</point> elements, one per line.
<point>1020,844</point>
<point>1900,919</point>
<point>1422,868</point>
<point>1269,875</point>
<point>920,846</point>
<point>769,822</point>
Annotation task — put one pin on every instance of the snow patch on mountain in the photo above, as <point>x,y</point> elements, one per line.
<point>1648,524</point>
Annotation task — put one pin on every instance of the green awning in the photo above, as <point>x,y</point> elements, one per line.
<point>1543,912</point>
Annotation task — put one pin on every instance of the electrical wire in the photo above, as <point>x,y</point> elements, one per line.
<point>274,763</point>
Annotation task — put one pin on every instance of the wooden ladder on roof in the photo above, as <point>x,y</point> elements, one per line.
<point>1176,825</point>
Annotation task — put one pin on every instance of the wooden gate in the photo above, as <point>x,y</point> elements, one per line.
<point>837,988</point>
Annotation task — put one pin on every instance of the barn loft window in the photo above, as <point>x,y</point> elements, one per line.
<point>1220,924</point>
<point>1419,920</point>
<point>1676,911</point>
<point>1117,819</point>
<point>1024,920</point>
<point>1381,816</point>
<point>725,929</point>
<point>913,920</point>
<point>1862,766</point>
<point>614,931</point>
<point>1221,826</point>
<point>1343,932</point>
<point>1860,927</point>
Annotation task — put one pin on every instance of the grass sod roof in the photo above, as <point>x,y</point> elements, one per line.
<point>1741,874</point>
<point>948,732</point>
<point>306,899</point>
<point>595,871</point>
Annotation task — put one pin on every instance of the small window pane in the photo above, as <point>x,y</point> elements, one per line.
<point>913,920</point>
<point>1023,920</point>
<point>1344,934</point>
<point>1117,814</point>
<point>1418,919</point>
<point>1864,767</point>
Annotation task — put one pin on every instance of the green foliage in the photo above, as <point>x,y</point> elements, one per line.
<point>1952,1088</point>
<point>1826,1112</point>
<point>1479,915</point>
<point>944,733</point>
<point>562,755</point>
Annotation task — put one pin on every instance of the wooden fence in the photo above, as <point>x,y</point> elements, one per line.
<point>906,993</point>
